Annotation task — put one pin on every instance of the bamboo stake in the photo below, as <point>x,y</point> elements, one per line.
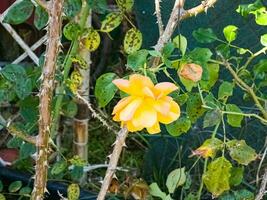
<point>45,97</point>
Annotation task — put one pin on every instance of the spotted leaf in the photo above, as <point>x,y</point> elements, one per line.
<point>132,41</point>
<point>112,21</point>
<point>91,39</point>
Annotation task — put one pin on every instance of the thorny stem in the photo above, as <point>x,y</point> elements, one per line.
<point>176,17</point>
<point>18,133</point>
<point>158,15</point>
<point>114,158</point>
<point>263,190</point>
<point>45,98</point>
<point>67,66</point>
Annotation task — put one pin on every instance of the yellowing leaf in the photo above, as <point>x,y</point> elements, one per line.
<point>76,77</point>
<point>91,39</point>
<point>111,22</point>
<point>79,62</point>
<point>241,152</point>
<point>132,41</point>
<point>213,70</point>
<point>209,148</point>
<point>216,178</point>
<point>125,5</point>
<point>73,192</point>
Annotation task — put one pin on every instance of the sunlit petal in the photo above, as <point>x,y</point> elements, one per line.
<point>122,84</point>
<point>164,88</point>
<point>145,115</point>
<point>163,105</point>
<point>122,103</point>
<point>148,92</point>
<point>138,83</point>
<point>172,115</point>
<point>154,129</point>
<point>127,113</point>
<point>133,128</point>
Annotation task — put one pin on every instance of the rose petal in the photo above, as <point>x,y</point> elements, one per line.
<point>138,83</point>
<point>145,115</point>
<point>122,84</point>
<point>121,104</point>
<point>171,116</point>
<point>154,129</point>
<point>164,88</point>
<point>133,128</point>
<point>127,113</point>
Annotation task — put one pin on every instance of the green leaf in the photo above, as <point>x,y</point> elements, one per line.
<point>154,53</point>
<point>230,33</point>
<point>180,42</point>
<point>59,167</point>
<point>223,50</point>
<point>243,195</point>
<point>105,89</point>
<point>191,196</point>
<point>19,13</point>
<point>194,107</point>
<point>23,89</point>
<point>246,9</point>
<point>25,191</point>
<point>132,41</point>
<point>26,150</point>
<point>40,17</point>
<point>2,197</point>
<point>225,90</point>
<point>241,152</point>
<point>234,120</point>
<point>200,55</point>
<point>98,6</point>
<point>175,179</point>
<point>236,176</point>
<point>213,70</point>
<point>242,51</point>
<point>125,5</point>
<point>13,72</point>
<point>216,178</point>
<point>264,39</point>
<point>212,118</point>
<point>168,197</point>
<point>204,35</point>
<point>73,192</point>
<point>77,173</point>
<point>209,148</point>
<point>14,142</point>
<point>70,109</point>
<point>112,21</point>
<point>15,186</point>
<point>72,7</point>
<point>188,84</point>
<point>168,49</point>
<point>178,127</point>
<point>136,60</point>
<point>71,30</point>
<point>261,16</point>
<point>91,39</point>
<point>155,191</point>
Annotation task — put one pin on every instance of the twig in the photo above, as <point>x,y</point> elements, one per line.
<point>176,17</point>
<point>114,158</point>
<point>20,134</point>
<point>247,88</point>
<point>158,15</point>
<point>262,190</point>
<point>261,162</point>
<point>94,113</point>
<point>45,98</point>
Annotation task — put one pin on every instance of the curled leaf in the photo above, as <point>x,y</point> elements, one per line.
<point>191,72</point>
<point>79,62</point>
<point>209,148</point>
